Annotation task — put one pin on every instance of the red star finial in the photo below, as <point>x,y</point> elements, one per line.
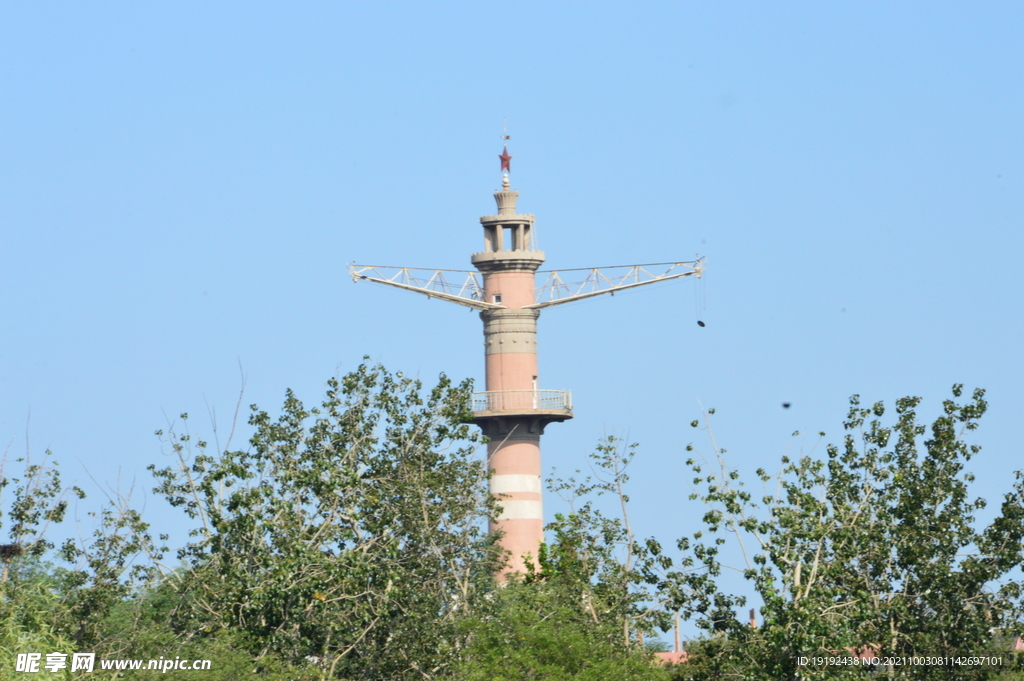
<point>506,160</point>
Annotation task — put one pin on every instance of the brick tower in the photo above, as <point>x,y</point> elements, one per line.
<point>513,410</point>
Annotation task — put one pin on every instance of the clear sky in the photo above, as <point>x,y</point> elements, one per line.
<point>182,186</point>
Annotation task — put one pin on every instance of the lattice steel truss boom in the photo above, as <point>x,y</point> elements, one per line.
<point>431,283</point>
<point>601,280</point>
<point>463,288</point>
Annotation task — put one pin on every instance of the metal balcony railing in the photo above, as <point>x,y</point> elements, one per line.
<point>515,400</point>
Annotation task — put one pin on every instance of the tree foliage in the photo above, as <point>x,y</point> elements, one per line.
<point>347,541</point>
<point>873,548</point>
<point>68,606</point>
<point>595,558</point>
<point>349,534</point>
<point>535,630</point>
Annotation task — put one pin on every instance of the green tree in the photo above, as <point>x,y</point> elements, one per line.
<point>599,590</point>
<point>31,611</point>
<point>874,547</point>
<point>594,558</point>
<point>349,535</point>
<point>110,571</point>
<point>67,606</point>
<point>39,501</point>
<point>535,631</point>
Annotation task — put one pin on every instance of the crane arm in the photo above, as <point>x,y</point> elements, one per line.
<point>601,280</point>
<point>431,283</point>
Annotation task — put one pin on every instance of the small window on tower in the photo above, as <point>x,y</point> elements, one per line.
<point>497,298</point>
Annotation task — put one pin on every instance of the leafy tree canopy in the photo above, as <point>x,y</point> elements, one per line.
<point>349,534</point>
<point>874,547</point>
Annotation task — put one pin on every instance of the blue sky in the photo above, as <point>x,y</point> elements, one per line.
<point>183,185</point>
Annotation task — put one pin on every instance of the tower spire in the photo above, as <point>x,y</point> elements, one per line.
<point>506,160</point>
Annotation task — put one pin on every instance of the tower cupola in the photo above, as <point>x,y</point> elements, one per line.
<point>510,242</point>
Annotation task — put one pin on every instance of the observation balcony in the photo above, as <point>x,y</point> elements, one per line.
<point>550,405</point>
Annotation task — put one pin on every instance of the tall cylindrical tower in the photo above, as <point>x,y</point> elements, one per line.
<point>516,410</point>
<point>513,411</point>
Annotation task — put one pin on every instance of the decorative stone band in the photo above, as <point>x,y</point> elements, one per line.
<point>509,218</point>
<point>510,330</point>
<point>508,261</point>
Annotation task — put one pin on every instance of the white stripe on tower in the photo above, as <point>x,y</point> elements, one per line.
<point>520,509</point>
<point>512,483</point>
